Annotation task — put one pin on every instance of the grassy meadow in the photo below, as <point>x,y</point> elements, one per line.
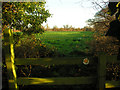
<point>67,43</point>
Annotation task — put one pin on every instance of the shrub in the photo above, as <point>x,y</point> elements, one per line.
<point>31,47</point>
<point>105,44</point>
<point>17,36</point>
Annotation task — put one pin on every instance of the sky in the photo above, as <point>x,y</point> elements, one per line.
<point>69,12</point>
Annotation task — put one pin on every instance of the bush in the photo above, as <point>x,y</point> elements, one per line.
<point>17,36</point>
<point>105,44</point>
<point>31,47</point>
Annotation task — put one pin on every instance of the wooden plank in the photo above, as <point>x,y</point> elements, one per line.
<point>112,59</point>
<point>101,71</point>
<point>56,81</point>
<point>115,62</point>
<point>112,84</point>
<point>50,61</point>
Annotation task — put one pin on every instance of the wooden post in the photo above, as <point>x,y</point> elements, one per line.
<point>9,58</point>
<point>101,71</point>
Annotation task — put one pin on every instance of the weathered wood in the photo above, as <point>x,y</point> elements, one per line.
<point>111,59</point>
<point>56,81</point>
<point>11,75</point>
<point>51,61</point>
<point>9,58</point>
<point>112,84</point>
<point>101,71</point>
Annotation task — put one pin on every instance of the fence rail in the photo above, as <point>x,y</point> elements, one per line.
<point>112,84</point>
<point>64,81</point>
<point>61,60</point>
<point>56,81</point>
<point>51,61</point>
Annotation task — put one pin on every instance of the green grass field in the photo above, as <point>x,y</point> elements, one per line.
<point>68,43</point>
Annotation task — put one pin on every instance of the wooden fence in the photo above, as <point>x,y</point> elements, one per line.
<point>14,82</point>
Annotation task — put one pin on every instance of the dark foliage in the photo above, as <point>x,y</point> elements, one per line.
<point>112,7</point>
<point>114,29</point>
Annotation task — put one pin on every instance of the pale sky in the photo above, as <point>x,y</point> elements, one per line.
<point>69,12</point>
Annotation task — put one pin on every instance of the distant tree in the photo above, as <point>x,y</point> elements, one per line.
<point>25,16</point>
<point>67,26</point>
<point>87,28</point>
<point>55,27</point>
<point>47,27</point>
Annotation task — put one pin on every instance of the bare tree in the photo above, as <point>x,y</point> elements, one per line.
<point>101,19</point>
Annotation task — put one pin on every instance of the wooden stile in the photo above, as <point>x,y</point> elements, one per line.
<point>14,81</point>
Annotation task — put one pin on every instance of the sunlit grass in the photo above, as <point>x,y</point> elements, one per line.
<point>67,42</point>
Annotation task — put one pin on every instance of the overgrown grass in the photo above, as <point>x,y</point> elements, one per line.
<point>68,43</point>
